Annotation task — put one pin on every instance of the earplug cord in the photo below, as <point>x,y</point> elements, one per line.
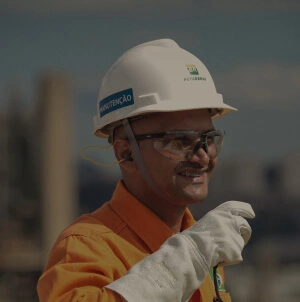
<point>98,163</point>
<point>218,298</point>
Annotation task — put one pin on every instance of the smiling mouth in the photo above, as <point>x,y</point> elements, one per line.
<point>191,174</point>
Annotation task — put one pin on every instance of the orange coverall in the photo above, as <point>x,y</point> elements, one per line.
<point>101,247</point>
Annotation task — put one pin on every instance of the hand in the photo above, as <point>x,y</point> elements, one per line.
<point>182,263</point>
<point>222,233</point>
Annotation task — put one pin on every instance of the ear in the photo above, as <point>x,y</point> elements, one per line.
<point>123,154</point>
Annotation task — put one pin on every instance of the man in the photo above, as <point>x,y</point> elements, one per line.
<point>156,107</point>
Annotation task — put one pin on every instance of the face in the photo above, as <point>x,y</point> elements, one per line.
<point>182,182</point>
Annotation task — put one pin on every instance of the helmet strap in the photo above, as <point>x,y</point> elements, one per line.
<point>139,159</point>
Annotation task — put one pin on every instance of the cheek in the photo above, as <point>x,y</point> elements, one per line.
<point>212,165</point>
<point>159,166</point>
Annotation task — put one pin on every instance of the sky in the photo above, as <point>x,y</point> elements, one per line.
<point>251,49</point>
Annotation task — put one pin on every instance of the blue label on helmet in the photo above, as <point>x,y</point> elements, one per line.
<point>116,101</point>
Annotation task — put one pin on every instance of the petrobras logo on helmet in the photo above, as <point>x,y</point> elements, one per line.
<point>116,101</point>
<point>192,69</point>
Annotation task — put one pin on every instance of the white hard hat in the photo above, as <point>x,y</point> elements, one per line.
<point>156,76</point>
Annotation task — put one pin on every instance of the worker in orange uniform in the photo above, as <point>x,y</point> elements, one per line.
<point>156,107</point>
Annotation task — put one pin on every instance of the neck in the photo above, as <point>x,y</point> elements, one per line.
<point>170,213</point>
<point>171,217</point>
<point>174,221</point>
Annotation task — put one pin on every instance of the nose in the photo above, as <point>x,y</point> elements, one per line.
<point>200,156</point>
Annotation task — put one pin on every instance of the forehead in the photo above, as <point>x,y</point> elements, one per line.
<point>196,120</point>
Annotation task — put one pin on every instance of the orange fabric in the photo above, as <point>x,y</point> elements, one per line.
<point>101,247</point>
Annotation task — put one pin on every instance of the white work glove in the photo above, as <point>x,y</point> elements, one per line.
<point>181,264</point>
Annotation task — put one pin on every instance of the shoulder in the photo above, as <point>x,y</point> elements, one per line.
<point>86,239</point>
<point>97,225</point>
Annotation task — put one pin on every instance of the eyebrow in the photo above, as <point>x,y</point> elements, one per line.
<point>184,130</point>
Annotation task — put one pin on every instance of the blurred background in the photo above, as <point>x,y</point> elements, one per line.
<point>53,56</point>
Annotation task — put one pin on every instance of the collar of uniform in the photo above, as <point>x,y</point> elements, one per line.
<point>148,226</point>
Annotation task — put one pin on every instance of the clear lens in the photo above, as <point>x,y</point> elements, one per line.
<point>182,147</point>
<point>214,141</point>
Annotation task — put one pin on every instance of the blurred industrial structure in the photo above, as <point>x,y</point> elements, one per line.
<point>38,188</point>
<point>41,194</point>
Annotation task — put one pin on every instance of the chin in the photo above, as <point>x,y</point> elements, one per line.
<point>187,198</point>
<point>195,193</point>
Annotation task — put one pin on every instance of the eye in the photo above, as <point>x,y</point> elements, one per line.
<point>210,140</point>
<point>214,143</point>
<point>186,141</point>
<point>173,143</point>
<point>180,142</point>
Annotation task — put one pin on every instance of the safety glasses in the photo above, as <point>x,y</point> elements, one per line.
<point>182,145</point>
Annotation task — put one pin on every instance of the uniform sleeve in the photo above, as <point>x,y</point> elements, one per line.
<point>77,271</point>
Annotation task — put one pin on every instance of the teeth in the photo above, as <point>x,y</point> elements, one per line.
<point>188,174</point>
